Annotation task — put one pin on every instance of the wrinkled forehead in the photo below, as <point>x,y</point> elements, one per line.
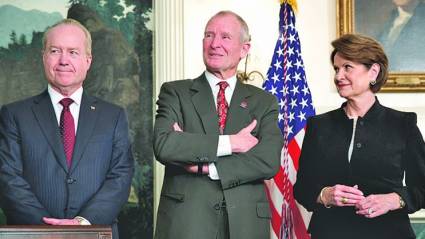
<point>66,30</point>
<point>66,35</point>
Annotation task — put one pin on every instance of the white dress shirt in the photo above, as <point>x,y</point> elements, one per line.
<point>224,147</point>
<point>350,149</point>
<point>55,97</point>
<point>399,22</point>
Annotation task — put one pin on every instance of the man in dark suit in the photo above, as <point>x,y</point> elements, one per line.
<point>218,139</point>
<point>65,157</point>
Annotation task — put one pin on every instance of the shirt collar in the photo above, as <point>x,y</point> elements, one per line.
<point>213,80</point>
<point>56,96</point>
<point>404,14</point>
<point>375,110</point>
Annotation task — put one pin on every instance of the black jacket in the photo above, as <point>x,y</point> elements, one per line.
<point>387,144</point>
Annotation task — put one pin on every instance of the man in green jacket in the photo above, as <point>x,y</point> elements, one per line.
<point>218,139</point>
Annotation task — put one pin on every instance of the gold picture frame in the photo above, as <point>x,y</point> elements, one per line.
<point>398,81</point>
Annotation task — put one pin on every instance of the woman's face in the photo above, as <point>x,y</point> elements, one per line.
<point>353,79</point>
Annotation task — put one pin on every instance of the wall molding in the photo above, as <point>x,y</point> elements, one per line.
<point>168,63</point>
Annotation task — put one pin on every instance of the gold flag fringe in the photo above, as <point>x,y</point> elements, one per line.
<point>293,4</point>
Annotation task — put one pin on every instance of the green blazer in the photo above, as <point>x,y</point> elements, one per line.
<point>190,204</point>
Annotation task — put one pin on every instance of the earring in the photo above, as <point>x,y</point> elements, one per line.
<point>373,82</point>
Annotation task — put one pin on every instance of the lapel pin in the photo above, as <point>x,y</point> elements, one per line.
<point>244,104</point>
<point>92,107</point>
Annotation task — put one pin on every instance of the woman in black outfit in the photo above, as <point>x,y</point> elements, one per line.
<point>354,158</point>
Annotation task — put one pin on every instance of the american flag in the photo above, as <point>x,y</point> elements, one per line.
<point>286,80</point>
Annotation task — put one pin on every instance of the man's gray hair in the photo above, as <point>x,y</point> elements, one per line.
<point>245,37</point>
<point>69,21</point>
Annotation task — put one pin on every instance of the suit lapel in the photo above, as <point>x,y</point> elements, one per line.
<point>45,115</point>
<point>203,102</point>
<point>86,123</point>
<point>238,112</point>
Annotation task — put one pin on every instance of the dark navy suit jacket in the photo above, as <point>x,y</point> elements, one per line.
<point>35,181</point>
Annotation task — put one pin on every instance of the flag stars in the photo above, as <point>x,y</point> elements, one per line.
<point>288,64</point>
<point>278,64</point>
<point>298,64</point>
<point>275,78</point>
<point>281,103</point>
<point>279,52</point>
<point>301,116</point>
<point>294,90</point>
<point>293,103</point>
<point>290,131</point>
<point>285,90</point>
<point>291,38</point>
<point>305,90</point>
<point>297,77</point>
<point>287,82</point>
<point>280,117</point>
<point>291,51</point>
<point>288,77</point>
<point>289,26</point>
<point>291,116</point>
<point>303,103</point>
<point>273,90</point>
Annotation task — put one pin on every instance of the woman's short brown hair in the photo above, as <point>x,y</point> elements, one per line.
<point>364,50</point>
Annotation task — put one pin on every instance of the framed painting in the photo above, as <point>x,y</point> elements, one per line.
<point>398,26</point>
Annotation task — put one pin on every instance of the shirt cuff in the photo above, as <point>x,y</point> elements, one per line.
<point>224,148</point>
<point>213,174</point>
<point>82,221</point>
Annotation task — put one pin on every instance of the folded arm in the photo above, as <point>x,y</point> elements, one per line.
<point>178,147</point>
<point>254,161</point>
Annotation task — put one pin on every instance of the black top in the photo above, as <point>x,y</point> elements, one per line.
<point>387,145</point>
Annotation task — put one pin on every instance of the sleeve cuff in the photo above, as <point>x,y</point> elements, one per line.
<point>82,221</point>
<point>224,148</point>
<point>213,174</point>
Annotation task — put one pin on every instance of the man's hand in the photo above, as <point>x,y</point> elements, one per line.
<point>177,128</point>
<point>55,221</point>
<point>193,168</point>
<point>243,141</point>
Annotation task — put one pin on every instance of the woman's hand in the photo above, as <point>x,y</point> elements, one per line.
<point>341,196</point>
<point>376,205</point>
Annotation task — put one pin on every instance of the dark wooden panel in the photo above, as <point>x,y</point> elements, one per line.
<point>55,232</point>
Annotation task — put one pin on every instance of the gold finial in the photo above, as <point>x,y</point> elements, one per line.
<point>293,4</point>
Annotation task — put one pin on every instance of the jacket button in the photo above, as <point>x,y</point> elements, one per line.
<point>70,180</point>
<point>359,145</point>
<point>202,159</point>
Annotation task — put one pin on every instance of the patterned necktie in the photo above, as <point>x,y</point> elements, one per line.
<point>222,106</point>
<point>67,129</point>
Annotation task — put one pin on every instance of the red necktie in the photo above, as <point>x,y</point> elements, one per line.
<point>222,106</point>
<point>67,129</point>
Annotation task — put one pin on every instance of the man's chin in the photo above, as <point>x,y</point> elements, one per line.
<point>214,66</point>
